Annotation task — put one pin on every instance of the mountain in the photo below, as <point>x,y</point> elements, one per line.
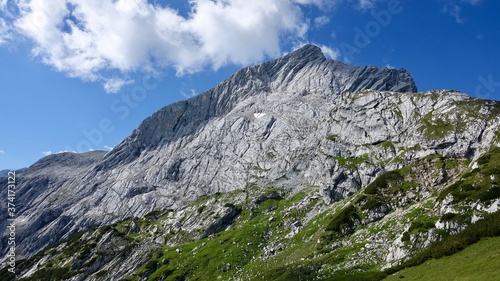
<point>300,166</point>
<point>5,173</point>
<point>159,165</point>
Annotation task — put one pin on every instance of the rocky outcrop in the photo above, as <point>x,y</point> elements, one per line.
<point>223,222</point>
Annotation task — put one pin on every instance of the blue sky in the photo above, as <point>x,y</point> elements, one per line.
<point>77,75</point>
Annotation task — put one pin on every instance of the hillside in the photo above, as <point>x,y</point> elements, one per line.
<point>478,262</point>
<point>301,168</point>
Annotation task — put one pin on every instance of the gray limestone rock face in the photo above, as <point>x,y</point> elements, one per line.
<point>44,192</point>
<point>301,120</point>
<point>304,71</point>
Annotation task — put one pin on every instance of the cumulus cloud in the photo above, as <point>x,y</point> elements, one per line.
<point>321,21</point>
<point>113,85</point>
<point>47,153</point>
<point>104,40</point>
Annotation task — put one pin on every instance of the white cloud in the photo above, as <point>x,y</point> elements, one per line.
<point>3,4</point>
<point>455,11</point>
<point>64,151</point>
<point>49,152</point>
<point>101,40</point>
<point>321,21</point>
<point>390,66</point>
<point>188,94</point>
<point>366,4</point>
<point>319,3</point>
<point>113,85</point>
<point>108,147</point>
<point>454,8</point>
<point>329,52</point>
<point>2,152</point>
<point>5,32</point>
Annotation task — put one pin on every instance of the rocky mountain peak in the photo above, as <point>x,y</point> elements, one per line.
<point>307,52</point>
<point>265,122</point>
<point>304,147</point>
<point>302,72</point>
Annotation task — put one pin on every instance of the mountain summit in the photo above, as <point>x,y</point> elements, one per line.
<point>301,72</point>
<point>299,159</point>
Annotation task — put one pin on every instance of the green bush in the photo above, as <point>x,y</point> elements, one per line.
<point>230,205</point>
<point>331,137</point>
<point>406,237</point>
<point>372,202</point>
<point>417,226</point>
<point>492,171</point>
<point>421,226</point>
<point>484,159</point>
<point>383,182</point>
<point>7,275</point>
<point>345,218</point>
<point>448,217</point>
<point>491,194</point>
<point>151,265</point>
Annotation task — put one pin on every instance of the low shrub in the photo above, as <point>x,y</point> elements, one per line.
<point>383,182</point>
<point>344,219</point>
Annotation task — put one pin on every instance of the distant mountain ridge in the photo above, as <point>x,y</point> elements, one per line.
<point>4,173</point>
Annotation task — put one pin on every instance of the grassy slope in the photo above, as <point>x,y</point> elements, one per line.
<point>477,262</point>
<point>237,252</point>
